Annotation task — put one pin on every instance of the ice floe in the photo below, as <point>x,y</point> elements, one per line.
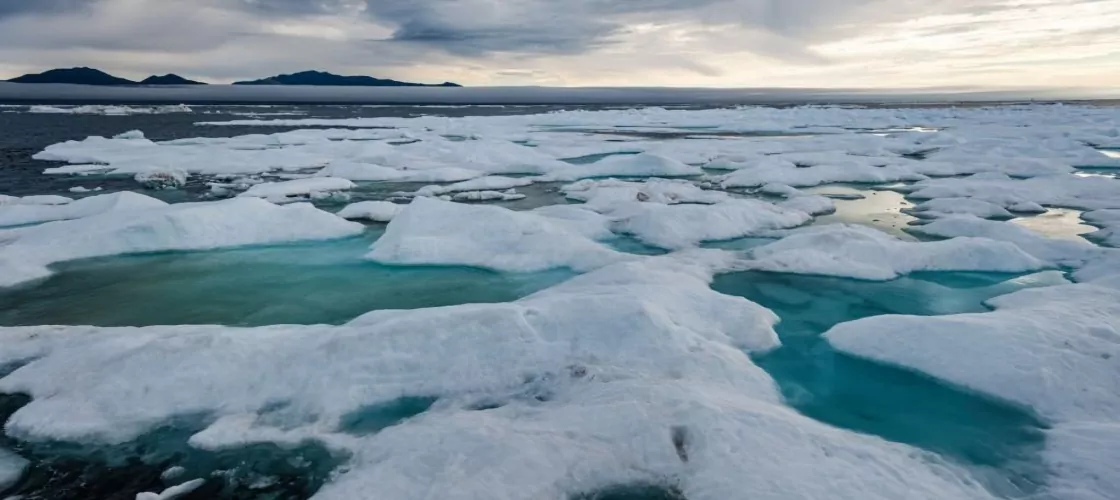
<point>685,225</point>
<point>108,110</point>
<point>1055,350</point>
<point>435,232</point>
<point>20,214</point>
<point>26,252</point>
<point>377,211</point>
<point>295,189</point>
<point>1054,251</point>
<point>158,178</point>
<point>864,253</point>
<point>635,373</point>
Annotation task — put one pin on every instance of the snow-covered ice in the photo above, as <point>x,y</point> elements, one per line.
<point>644,372</point>
<point>290,190</point>
<point>377,211</point>
<point>435,232</point>
<point>864,253</point>
<point>27,251</point>
<point>20,214</point>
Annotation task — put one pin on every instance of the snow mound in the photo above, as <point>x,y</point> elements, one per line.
<point>864,253</point>
<point>1054,251</point>
<point>1109,222</point>
<point>606,194</point>
<point>639,165</point>
<point>682,226</point>
<point>377,211</point>
<point>509,195</point>
<point>288,190</point>
<point>21,214</point>
<point>637,372</point>
<point>187,226</point>
<point>434,232</point>
<point>942,207</point>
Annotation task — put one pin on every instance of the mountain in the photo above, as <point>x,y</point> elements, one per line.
<point>79,76</point>
<point>327,79</point>
<point>169,79</point>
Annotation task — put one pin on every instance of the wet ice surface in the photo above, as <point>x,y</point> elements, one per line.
<point>458,351</point>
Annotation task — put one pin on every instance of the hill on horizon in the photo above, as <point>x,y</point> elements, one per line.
<point>322,78</point>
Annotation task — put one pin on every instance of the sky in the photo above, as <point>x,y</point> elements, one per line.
<point>680,43</point>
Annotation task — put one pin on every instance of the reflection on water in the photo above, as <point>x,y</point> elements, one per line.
<point>879,209</point>
<point>999,442</point>
<point>1060,223</point>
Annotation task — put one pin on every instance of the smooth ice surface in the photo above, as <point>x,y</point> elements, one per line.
<point>1053,251</point>
<point>434,232</point>
<point>864,253</point>
<point>949,206</point>
<point>594,378</point>
<point>639,165</point>
<point>377,211</point>
<point>1109,223</point>
<point>187,226</point>
<point>20,214</point>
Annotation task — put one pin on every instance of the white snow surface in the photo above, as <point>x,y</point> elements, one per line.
<point>286,190</point>
<point>639,165</point>
<point>942,207</point>
<point>1055,350</point>
<point>25,252</point>
<point>629,355</point>
<point>686,225</point>
<point>20,214</point>
<point>377,211</point>
<point>1054,251</point>
<point>862,252</point>
<point>435,232</point>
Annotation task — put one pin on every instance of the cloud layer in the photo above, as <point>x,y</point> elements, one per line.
<point>768,43</point>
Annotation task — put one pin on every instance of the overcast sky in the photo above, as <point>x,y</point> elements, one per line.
<point>710,43</point>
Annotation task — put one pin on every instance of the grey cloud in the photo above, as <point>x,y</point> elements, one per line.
<point>14,7</point>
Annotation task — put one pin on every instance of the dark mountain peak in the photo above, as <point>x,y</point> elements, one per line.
<point>169,79</point>
<point>79,76</point>
<point>322,78</point>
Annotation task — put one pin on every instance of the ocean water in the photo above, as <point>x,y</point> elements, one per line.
<point>331,283</point>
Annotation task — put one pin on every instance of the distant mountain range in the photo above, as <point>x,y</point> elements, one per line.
<point>90,76</point>
<point>327,79</point>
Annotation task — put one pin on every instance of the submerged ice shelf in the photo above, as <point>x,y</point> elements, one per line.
<point>672,304</point>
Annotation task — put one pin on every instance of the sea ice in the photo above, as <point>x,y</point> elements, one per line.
<point>27,251</point>
<point>488,183</point>
<point>1055,252</point>
<point>942,207</point>
<point>20,214</point>
<point>377,211</point>
<point>434,232</point>
<point>864,253</point>
<point>292,190</point>
<point>639,165</point>
<point>11,468</point>
<point>635,373</point>
<point>685,225</point>
<point>1055,350</point>
<point>162,178</point>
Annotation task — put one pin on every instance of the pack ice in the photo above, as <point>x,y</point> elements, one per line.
<point>637,373</point>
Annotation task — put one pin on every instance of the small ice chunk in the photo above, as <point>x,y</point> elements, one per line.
<point>11,468</point>
<point>131,134</point>
<point>510,195</point>
<point>377,211</point>
<point>865,253</point>
<point>435,232</point>
<point>489,183</point>
<point>44,199</point>
<point>281,191</point>
<point>83,189</point>
<point>173,473</point>
<point>173,492</point>
<point>162,178</point>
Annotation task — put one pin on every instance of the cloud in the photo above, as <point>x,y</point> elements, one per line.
<point>573,42</point>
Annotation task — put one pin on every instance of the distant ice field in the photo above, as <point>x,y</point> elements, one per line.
<point>550,302</point>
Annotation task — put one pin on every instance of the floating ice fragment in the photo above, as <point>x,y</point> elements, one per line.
<point>11,468</point>
<point>287,190</point>
<point>173,492</point>
<point>162,178</point>
<point>377,211</point>
<point>16,215</point>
